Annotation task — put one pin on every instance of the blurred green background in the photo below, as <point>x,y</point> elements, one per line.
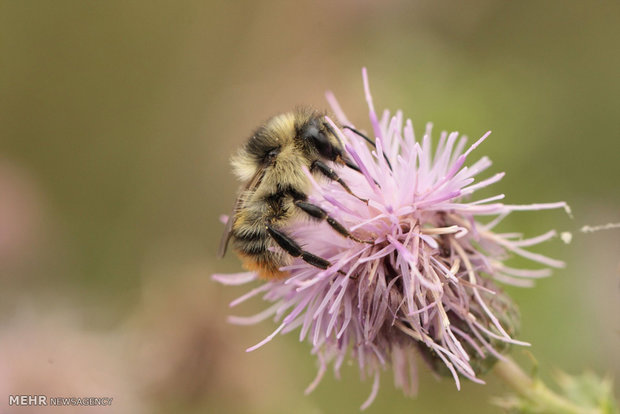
<point>117,120</point>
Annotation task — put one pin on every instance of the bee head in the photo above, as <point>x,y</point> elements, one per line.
<point>318,139</point>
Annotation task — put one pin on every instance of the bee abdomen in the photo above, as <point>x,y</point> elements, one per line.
<point>252,245</point>
<point>252,248</point>
<point>249,233</point>
<point>251,241</point>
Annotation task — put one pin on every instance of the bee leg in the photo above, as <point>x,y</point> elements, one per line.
<point>354,167</point>
<point>331,174</point>
<point>291,247</point>
<point>351,164</point>
<point>358,133</point>
<point>317,212</point>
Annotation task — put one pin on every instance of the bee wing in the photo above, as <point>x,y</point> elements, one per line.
<point>227,233</point>
<point>251,185</point>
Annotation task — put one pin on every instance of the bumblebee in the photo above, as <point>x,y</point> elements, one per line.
<point>274,190</point>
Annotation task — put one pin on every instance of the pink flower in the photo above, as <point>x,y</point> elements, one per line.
<point>426,284</point>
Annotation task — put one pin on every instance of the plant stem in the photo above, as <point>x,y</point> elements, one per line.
<point>536,391</point>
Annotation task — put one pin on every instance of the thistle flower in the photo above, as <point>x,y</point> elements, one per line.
<point>427,282</point>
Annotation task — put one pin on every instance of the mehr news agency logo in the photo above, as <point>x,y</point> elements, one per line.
<point>44,400</point>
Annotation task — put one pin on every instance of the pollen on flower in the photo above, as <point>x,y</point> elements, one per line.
<point>427,283</point>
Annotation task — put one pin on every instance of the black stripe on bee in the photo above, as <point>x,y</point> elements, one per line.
<point>249,235</point>
<point>256,247</point>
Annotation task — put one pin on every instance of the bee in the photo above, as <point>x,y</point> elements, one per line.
<point>274,190</point>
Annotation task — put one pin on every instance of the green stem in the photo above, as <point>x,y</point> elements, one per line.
<point>536,391</point>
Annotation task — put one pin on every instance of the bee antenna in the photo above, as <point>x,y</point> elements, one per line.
<point>358,133</point>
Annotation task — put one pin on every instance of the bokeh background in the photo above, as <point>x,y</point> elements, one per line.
<point>117,120</point>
